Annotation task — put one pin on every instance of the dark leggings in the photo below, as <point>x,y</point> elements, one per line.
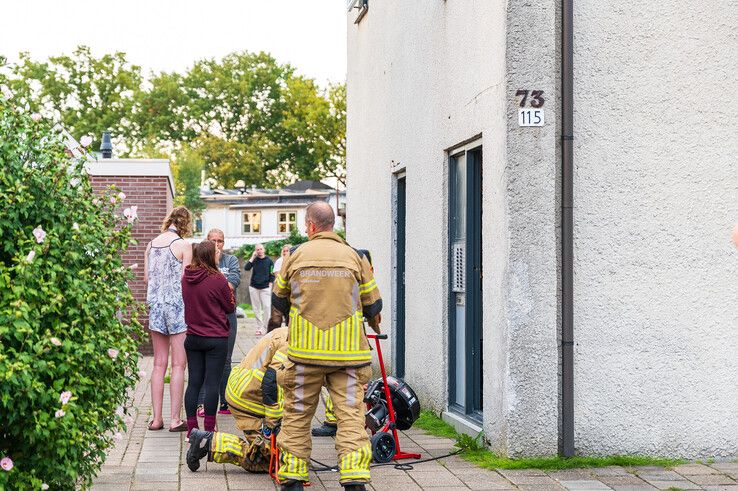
<point>227,366</point>
<point>205,360</point>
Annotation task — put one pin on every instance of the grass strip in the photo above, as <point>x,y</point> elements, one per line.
<point>477,454</point>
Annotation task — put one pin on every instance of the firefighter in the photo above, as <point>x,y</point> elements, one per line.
<point>327,289</point>
<point>256,400</point>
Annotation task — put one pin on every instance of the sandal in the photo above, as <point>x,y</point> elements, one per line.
<point>182,426</point>
<point>157,428</point>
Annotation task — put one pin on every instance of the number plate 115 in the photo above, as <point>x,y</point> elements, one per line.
<point>530,117</point>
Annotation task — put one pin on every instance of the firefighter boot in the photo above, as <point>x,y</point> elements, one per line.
<point>292,485</point>
<point>199,448</point>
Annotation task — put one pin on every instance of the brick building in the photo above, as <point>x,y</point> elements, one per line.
<point>147,184</point>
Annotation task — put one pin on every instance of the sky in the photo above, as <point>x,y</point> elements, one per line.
<point>169,35</point>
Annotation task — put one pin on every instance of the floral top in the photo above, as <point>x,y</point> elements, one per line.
<point>165,275</point>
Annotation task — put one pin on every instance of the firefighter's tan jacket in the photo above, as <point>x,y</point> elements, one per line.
<point>327,288</point>
<point>254,387</point>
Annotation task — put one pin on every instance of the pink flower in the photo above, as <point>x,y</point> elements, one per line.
<point>85,141</point>
<point>128,420</point>
<point>142,373</point>
<point>131,213</point>
<point>65,396</point>
<point>113,353</point>
<point>30,256</point>
<point>55,341</point>
<point>126,355</point>
<point>95,201</point>
<point>121,196</point>
<point>6,463</point>
<point>44,486</point>
<point>36,117</point>
<point>118,436</point>
<point>59,413</point>
<point>112,200</point>
<point>39,233</point>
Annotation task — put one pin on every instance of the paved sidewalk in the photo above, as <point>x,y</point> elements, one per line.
<point>154,460</point>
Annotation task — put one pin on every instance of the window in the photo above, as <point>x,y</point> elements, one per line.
<point>251,222</point>
<point>287,221</point>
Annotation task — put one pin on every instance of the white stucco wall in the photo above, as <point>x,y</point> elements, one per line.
<point>422,78</point>
<point>656,195</point>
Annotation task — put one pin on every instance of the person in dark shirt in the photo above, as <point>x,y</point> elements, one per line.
<point>207,302</point>
<point>260,288</point>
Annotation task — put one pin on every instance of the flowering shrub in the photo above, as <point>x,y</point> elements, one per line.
<point>68,328</point>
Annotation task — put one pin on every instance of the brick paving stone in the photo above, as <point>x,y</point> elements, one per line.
<point>585,485</point>
<point>511,474</point>
<point>710,479</point>
<point>572,475</point>
<point>722,488</point>
<point>612,470</point>
<point>626,480</point>
<point>679,484</point>
<point>694,469</point>
<point>634,487</point>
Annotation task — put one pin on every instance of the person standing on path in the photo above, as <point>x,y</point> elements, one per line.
<point>230,268</point>
<point>165,260</point>
<point>327,289</point>
<point>208,300</point>
<point>260,288</point>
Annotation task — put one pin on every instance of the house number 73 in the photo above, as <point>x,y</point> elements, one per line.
<point>532,115</point>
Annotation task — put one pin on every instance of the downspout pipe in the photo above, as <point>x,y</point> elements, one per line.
<point>567,228</point>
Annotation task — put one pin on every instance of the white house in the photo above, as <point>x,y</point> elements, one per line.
<point>250,215</point>
<point>565,285</point>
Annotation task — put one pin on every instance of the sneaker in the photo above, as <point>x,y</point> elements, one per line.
<point>199,448</point>
<point>325,430</point>
<point>201,411</point>
<point>224,409</point>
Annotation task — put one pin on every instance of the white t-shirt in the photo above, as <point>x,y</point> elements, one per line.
<point>278,265</point>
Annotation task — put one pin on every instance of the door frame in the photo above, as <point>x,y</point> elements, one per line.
<point>473,400</point>
<point>398,274</point>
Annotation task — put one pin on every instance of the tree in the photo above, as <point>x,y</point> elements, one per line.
<point>188,167</point>
<point>87,95</point>
<point>250,117</point>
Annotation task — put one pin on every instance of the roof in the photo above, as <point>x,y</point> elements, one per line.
<point>299,193</point>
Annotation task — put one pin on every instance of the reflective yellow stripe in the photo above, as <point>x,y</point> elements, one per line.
<point>367,287</point>
<point>280,357</point>
<point>292,467</point>
<point>355,465</point>
<point>281,283</point>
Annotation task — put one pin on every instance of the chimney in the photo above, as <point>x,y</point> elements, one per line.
<point>106,147</point>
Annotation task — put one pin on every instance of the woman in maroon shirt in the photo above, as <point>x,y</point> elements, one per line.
<point>207,301</point>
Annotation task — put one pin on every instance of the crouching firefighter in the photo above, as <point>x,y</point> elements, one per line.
<point>256,400</point>
<point>327,289</point>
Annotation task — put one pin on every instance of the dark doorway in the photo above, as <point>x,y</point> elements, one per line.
<point>400,221</point>
<point>465,333</point>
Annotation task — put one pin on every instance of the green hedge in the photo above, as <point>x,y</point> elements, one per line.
<point>68,323</point>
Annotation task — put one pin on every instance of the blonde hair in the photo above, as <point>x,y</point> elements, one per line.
<point>179,218</point>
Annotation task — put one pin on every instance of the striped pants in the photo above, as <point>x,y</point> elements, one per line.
<point>302,395</point>
<point>230,449</point>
